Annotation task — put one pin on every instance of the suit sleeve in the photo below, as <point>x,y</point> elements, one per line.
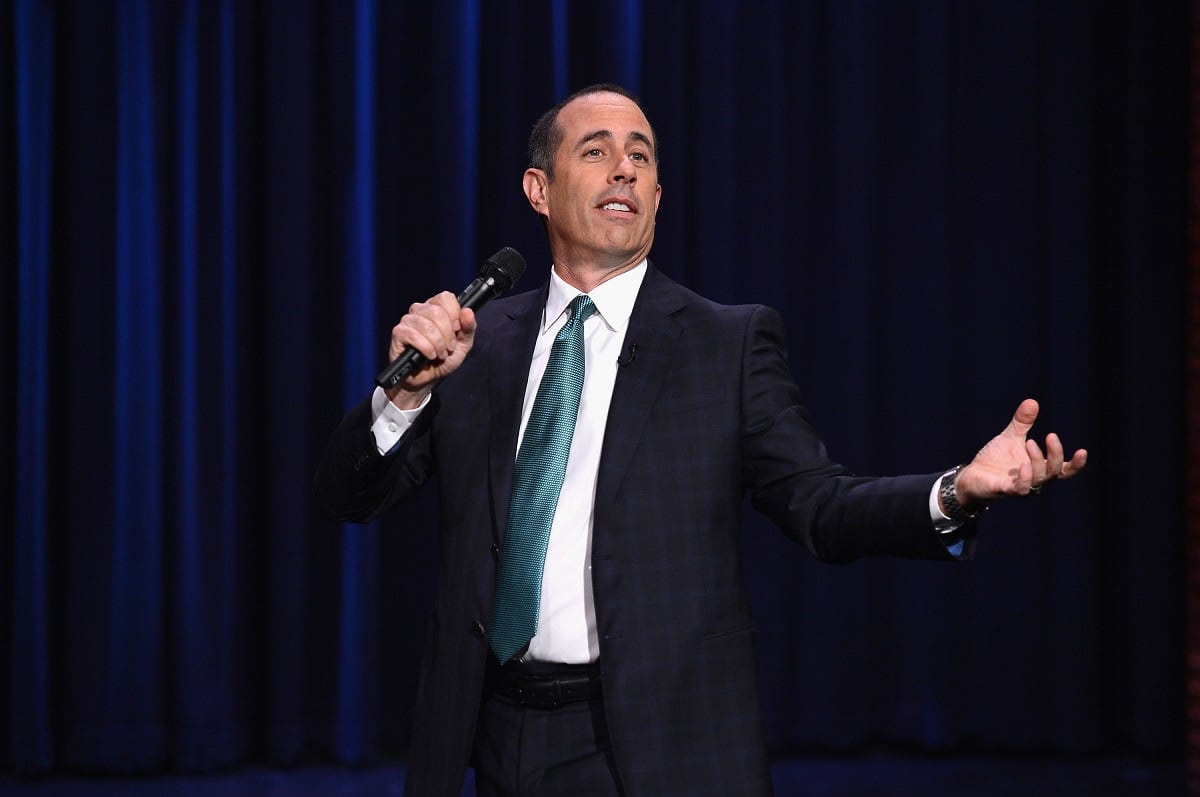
<point>355,483</point>
<point>838,517</point>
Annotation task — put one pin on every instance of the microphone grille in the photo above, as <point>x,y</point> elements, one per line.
<point>505,267</point>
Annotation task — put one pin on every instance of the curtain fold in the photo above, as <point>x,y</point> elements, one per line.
<point>219,210</point>
<point>357,724</point>
<point>31,685</point>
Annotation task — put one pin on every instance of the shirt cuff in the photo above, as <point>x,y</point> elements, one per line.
<point>942,523</point>
<point>389,422</point>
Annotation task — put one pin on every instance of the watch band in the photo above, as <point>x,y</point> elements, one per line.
<point>949,498</point>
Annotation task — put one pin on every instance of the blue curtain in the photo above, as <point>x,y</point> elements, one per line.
<point>217,210</point>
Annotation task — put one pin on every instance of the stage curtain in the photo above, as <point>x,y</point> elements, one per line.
<point>215,212</point>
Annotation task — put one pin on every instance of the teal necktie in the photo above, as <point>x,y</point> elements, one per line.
<point>537,481</point>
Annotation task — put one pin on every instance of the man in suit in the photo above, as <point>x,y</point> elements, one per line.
<point>638,676</point>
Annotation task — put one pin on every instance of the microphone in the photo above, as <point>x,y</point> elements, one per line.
<point>628,358</point>
<point>496,276</point>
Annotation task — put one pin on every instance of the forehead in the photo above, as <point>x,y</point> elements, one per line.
<point>602,111</point>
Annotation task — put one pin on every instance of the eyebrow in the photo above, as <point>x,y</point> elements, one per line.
<point>607,134</point>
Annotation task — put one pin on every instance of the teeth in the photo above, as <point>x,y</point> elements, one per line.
<point>616,206</point>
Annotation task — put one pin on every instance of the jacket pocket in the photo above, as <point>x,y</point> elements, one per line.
<point>745,629</point>
<point>687,401</point>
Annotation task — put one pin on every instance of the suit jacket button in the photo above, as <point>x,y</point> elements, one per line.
<point>477,630</point>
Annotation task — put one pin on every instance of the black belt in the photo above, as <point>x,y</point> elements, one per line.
<point>543,686</point>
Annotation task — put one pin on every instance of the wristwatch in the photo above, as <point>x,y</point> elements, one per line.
<point>949,498</point>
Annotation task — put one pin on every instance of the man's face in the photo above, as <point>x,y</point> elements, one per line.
<point>601,205</point>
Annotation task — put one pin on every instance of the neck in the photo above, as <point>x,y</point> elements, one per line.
<point>585,279</point>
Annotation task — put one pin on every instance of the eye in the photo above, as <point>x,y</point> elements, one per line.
<point>639,156</point>
<point>594,152</point>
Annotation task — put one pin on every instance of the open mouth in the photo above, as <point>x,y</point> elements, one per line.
<point>619,206</point>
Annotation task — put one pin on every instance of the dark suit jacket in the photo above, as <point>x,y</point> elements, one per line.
<point>707,412</point>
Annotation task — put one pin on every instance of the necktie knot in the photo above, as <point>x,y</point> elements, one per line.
<point>581,308</point>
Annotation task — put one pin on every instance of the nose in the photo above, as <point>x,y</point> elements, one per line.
<point>625,171</point>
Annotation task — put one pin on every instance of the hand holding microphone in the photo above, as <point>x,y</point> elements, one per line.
<point>440,332</point>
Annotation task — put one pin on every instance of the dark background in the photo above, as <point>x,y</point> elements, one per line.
<point>213,212</point>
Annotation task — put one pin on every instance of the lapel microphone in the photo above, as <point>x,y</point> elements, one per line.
<point>628,358</point>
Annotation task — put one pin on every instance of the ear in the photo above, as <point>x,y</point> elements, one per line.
<point>535,184</point>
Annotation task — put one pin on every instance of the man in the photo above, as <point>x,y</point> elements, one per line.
<point>637,674</point>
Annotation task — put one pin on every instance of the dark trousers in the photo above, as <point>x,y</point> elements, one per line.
<point>532,752</point>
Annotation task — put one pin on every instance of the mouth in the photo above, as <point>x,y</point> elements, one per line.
<point>618,207</point>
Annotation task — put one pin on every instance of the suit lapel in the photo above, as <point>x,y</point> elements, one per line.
<point>655,329</point>
<point>512,349</point>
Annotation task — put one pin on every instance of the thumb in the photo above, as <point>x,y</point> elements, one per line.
<point>1023,419</point>
<point>466,322</point>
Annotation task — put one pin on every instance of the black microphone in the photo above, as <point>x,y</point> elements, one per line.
<point>628,358</point>
<point>496,276</point>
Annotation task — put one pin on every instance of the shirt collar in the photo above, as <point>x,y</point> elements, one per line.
<point>613,298</point>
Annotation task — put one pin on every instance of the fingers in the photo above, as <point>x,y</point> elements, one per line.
<point>431,328</point>
<point>1075,464</point>
<point>1038,473</point>
<point>1024,482</point>
<point>1054,454</point>
<point>1053,464</point>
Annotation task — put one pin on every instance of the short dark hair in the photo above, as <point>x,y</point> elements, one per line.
<point>547,134</point>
